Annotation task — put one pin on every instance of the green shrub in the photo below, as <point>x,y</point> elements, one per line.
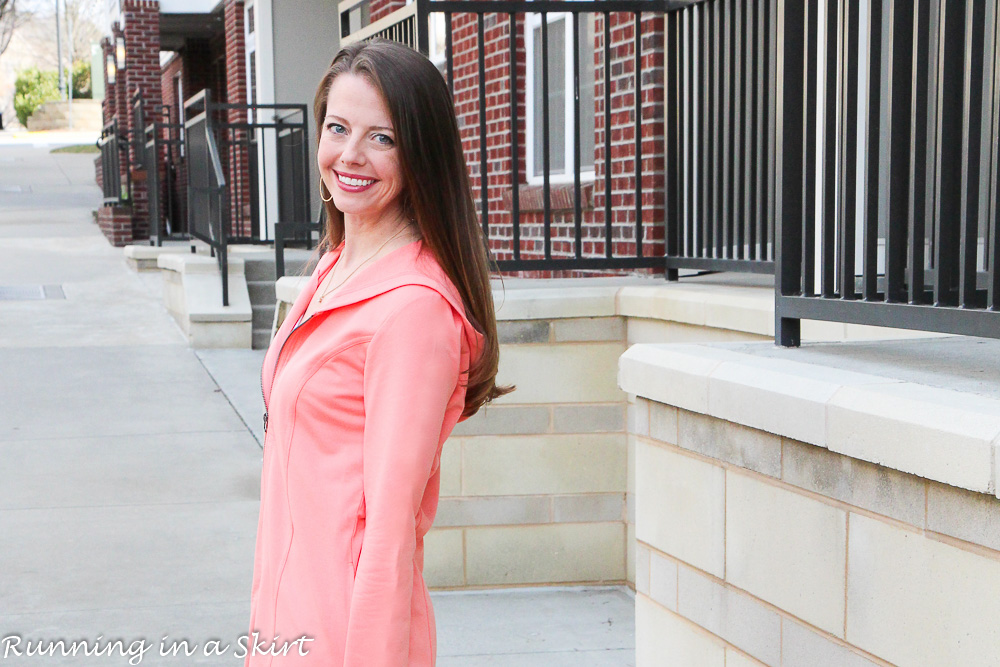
<point>32,89</point>
<point>81,80</point>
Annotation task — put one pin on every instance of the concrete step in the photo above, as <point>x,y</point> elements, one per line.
<point>263,316</point>
<point>261,292</point>
<point>261,339</point>
<point>259,269</point>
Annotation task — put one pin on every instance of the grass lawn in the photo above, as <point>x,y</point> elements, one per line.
<point>82,148</point>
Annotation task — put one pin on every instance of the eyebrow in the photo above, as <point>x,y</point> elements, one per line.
<point>373,127</point>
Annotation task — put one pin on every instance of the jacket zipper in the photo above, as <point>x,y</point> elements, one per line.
<point>275,372</point>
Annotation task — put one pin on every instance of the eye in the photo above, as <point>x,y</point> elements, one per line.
<point>336,128</point>
<point>383,140</point>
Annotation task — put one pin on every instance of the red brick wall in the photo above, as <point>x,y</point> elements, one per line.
<point>116,224</point>
<point>235,152</point>
<point>623,123</point>
<point>142,73</point>
<point>173,68</point>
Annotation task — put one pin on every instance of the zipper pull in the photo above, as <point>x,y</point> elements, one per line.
<point>265,422</point>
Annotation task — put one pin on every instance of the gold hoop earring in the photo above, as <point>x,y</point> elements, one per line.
<point>321,185</point>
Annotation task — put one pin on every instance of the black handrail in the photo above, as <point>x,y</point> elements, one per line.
<point>162,141</point>
<point>206,185</point>
<point>114,154</point>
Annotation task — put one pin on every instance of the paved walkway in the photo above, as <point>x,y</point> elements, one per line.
<point>129,470</point>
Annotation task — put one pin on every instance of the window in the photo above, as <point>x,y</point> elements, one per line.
<point>250,46</point>
<point>252,75</point>
<point>436,41</point>
<point>560,96</point>
<point>179,108</point>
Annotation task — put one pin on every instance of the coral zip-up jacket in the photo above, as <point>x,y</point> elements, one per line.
<point>360,398</point>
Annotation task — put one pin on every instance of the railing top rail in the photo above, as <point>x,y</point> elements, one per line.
<point>371,29</point>
<point>197,98</point>
<point>189,121</point>
<point>546,6</point>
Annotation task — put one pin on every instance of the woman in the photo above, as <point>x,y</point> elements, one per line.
<point>391,342</point>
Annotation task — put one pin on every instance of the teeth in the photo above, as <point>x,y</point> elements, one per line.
<point>354,181</point>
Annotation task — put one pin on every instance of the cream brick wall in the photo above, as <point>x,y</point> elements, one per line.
<point>680,506</point>
<point>663,638</point>
<point>943,601</point>
<point>826,561</point>
<point>533,487</point>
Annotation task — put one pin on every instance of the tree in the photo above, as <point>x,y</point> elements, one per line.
<point>11,16</point>
<point>32,89</point>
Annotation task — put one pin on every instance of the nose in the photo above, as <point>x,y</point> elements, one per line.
<point>353,153</point>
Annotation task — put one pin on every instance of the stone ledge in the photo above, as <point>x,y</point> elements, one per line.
<point>726,307</point>
<point>937,433</point>
<point>201,264</point>
<point>193,293</point>
<point>288,288</point>
<point>144,257</point>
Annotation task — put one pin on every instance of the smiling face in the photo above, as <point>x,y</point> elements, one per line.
<point>357,155</point>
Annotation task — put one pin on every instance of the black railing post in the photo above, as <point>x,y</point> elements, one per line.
<point>423,27</point>
<point>673,218</point>
<point>791,28</point>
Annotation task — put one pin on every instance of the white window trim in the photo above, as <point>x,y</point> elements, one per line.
<point>533,20</point>
<point>438,58</point>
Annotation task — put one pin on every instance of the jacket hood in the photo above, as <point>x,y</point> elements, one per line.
<point>412,264</point>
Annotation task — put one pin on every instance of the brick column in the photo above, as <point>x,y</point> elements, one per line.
<point>115,221</point>
<point>142,73</point>
<point>234,148</point>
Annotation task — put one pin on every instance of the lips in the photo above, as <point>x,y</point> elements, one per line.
<point>353,182</point>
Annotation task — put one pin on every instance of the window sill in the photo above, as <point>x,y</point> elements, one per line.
<point>561,197</point>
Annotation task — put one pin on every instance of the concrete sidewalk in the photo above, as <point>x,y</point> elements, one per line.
<point>130,469</point>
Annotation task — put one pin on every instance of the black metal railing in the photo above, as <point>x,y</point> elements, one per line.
<point>720,123</point>
<point>299,230</point>
<point>162,155</point>
<point>240,157</point>
<point>293,233</point>
<point>157,148</point>
<point>116,181</point>
<point>399,26</point>
<point>889,216</point>
<point>206,183</point>
<point>263,145</point>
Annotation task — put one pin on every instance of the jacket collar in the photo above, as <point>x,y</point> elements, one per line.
<point>412,264</point>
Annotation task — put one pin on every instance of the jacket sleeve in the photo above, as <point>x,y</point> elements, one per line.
<point>411,370</point>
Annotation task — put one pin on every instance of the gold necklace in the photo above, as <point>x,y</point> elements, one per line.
<point>329,289</point>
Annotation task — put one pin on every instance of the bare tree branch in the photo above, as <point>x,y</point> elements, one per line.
<point>8,21</point>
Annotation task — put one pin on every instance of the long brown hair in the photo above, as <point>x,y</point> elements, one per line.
<point>436,190</point>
